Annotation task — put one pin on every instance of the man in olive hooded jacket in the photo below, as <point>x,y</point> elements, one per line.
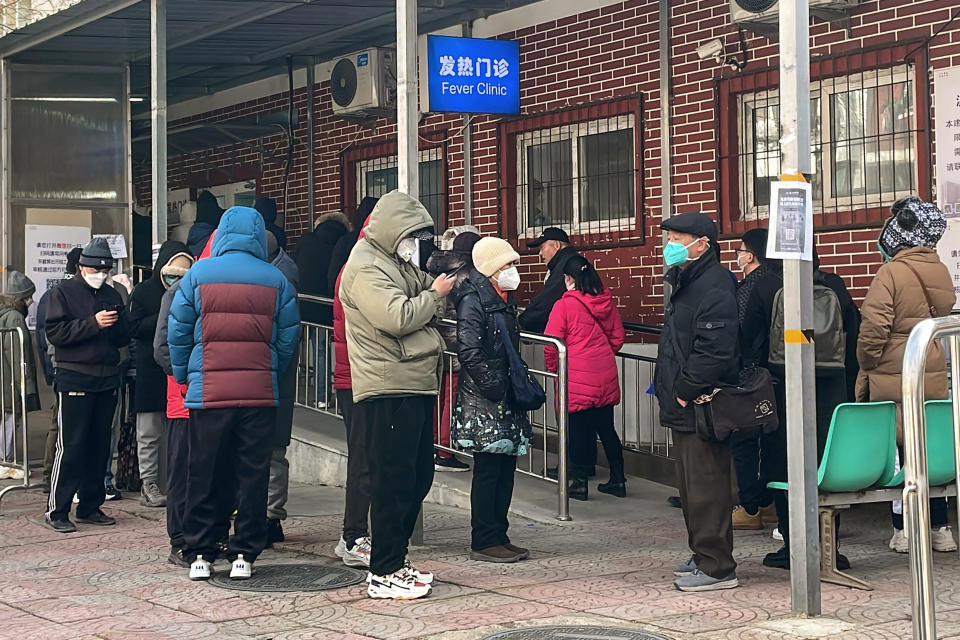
<point>395,360</point>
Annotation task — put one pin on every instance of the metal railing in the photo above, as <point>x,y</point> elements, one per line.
<point>13,378</point>
<point>916,488</point>
<point>315,391</point>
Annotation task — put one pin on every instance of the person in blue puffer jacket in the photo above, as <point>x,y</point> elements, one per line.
<point>232,332</point>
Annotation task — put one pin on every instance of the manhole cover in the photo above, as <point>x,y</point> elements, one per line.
<point>575,633</point>
<point>291,577</point>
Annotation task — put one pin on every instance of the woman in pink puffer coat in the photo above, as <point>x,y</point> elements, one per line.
<point>586,319</point>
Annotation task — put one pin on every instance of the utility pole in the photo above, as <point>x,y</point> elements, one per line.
<point>798,319</point>
<point>158,117</point>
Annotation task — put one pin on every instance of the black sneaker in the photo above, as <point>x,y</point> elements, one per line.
<point>112,493</point>
<point>449,464</point>
<point>274,532</point>
<point>674,501</point>
<point>60,526</point>
<point>177,558</point>
<point>781,560</point>
<point>98,518</point>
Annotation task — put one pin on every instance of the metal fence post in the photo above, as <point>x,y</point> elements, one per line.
<point>916,488</point>
<point>158,117</point>
<point>563,509</point>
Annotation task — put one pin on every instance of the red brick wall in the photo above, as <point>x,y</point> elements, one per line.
<point>591,57</point>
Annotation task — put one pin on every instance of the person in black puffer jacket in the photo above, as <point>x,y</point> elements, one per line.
<point>698,351</point>
<point>483,420</point>
<point>457,261</point>
<point>341,251</point>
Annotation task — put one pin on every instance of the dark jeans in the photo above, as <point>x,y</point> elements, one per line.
<point>704,474</point>
<point>86,424</point>
<point>400,432</point>
<point>938,515</point>
<point>751,483</point>
<point>228,464</point>
<point>490,496</point>
<point>177,448</point>
<point>357,506</point>
<point>585,426</point>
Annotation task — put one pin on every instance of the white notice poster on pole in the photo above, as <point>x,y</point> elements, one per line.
<point>791,221</point>
<point>46,248</point>
<point>946,101</point>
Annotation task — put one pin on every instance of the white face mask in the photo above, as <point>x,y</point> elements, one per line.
<point>509,280</point>
<point>407,249</point>
<point>95,279</point>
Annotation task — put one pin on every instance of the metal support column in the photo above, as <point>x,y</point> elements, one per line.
<point>408,113</point>
<point>5,214</point>
<point>158,118</point>
<point>408,120</point>
<point>311,160</point>
<point>666,106</point>
<point>798,316</point>
<point>467,151</point>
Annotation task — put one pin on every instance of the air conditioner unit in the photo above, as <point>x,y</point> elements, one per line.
<point>767,12</point>
<point>364,84</point>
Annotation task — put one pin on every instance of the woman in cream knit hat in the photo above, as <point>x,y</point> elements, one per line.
<point>484,422</point>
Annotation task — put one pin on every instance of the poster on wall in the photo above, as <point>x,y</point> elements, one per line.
<point>791,221</point>
<point>946,101</point>
<point>46,248</point>
<point>176,200</point>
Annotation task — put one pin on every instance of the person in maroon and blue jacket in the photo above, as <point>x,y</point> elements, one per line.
<point>232,332</point>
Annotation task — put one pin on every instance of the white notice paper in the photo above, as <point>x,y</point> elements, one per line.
<point>946,101</point>
<point>791,221</point>
<point>46,248</point>
<point>118,245</point>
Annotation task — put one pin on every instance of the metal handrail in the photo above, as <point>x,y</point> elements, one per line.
<point>563,499</point>
<point>916,488</point>
<point>25,463</point>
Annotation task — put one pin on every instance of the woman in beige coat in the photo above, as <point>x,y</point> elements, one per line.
<point>912,286</point>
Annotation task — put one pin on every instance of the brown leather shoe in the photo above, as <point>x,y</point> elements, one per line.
<point>523,553</point>
<point>494,554</point>
<point>743,521</point>
<point>768,514</point>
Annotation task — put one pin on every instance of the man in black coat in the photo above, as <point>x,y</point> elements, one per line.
<point>555,250</point>
<point>341,251</point>
<point>87,325</point>
<point>697,352</point>
<point>150,392</point>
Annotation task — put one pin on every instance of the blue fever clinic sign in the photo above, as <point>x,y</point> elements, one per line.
<point>472,75</point>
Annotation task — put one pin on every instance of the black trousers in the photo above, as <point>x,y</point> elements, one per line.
<point>939,516</point>
<point>704,470</point>
<point>83,448</point>
<point>228,462</point>
<point>490,496</point>
<point>585,426</point>
<point>747,461</point>
<point>177,449</point>
<point>357,506</point>
<point>400,434</point>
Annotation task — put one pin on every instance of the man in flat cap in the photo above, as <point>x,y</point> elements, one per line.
<point>698,351</point>
<point>555,250</point>
<point>87,325</point>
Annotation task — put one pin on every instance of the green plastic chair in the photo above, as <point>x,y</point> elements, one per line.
<point>940,447</point>
<point>860,448</point>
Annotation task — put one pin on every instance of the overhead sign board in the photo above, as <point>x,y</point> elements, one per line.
<point>473,75</point>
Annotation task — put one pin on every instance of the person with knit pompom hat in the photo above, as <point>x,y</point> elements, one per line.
<point>484,420</point>
<point>13,314</point>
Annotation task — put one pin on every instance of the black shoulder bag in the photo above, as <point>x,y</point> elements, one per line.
<point>524,392</point>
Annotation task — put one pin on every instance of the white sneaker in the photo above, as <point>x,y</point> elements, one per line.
<point>401,585</point>
<point>423,576</point>
<point>241,569</point>
<point>201,569</point>
<point>943,539</point>
<point>899,542</point>
<point>777,535</point>
<point>359,556</point>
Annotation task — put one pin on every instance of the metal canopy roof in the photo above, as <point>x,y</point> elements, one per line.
<point>217,44</point>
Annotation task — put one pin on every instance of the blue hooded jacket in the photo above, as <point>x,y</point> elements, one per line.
<point>234,324</point>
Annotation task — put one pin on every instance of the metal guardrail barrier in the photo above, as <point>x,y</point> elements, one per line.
<point>13,342</point>
<point>315,391</point>
<point>916,489</point>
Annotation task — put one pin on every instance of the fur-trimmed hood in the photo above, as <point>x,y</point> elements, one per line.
<point>334,216</point>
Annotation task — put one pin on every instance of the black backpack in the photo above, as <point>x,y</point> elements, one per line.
<point>830,338</point>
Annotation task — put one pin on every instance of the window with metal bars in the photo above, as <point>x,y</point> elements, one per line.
<point>577,169</point>
<point>868,146</point>
<point>379,176</point>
